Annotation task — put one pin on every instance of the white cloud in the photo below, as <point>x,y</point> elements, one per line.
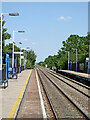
<point>64,18</point>
<point>25,39</point>
<point>33,43</point>
<point>69,17</point>
<point>61,18</point>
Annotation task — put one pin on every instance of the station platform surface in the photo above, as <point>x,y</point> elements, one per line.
<point>77,73</point>
<point>29,107</point>
<point>11,96</point>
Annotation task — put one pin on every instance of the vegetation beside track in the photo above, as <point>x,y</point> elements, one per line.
<point>61,59</point>
<point>29,55</point>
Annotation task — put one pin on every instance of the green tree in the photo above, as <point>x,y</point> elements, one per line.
<point>8,48</point>
<point>31,58</point>
<point>41,63</point>
<point>5,35</point>
<point>79,43</point>
<point>72,42</point>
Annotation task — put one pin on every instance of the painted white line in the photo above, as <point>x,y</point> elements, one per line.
<point>41,99</point>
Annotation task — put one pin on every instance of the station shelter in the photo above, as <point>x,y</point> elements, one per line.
<point>8,71</point>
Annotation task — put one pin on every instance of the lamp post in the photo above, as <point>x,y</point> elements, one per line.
<point>68,59</point>
<point>13,52</point>
<point>89,56</point>
<point>24,59</point>
<point>28,48</point>
<point>20,55</point>
<point>11,14</point>
<point>76,59</point>
<point>89,51</point>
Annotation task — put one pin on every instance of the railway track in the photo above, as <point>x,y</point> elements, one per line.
<point>74,84</point>
<point>79,83</point>
<point>81,79</point>
<point>61,104</point>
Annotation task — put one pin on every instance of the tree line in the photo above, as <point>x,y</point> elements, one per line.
<point>30,55</point>
<point>72,42</point>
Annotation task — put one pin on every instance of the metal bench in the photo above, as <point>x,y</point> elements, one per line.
<point>10,72</point>
<point>5,81</point>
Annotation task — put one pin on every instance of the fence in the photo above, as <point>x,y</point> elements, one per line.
<point>81,67</point>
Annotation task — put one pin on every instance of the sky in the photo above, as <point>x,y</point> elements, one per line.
<point>46,24</point>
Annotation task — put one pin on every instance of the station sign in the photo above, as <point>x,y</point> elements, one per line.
<point>18,52</point>
<point>46,65</point>
<point>87,59</point>
<point>22,57</point>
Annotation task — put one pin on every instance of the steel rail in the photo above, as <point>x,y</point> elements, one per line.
<point>84,114</point>
<point>54,113</point>
<point>70,85</point>
<point>79,77</point>
<point>72,80</point>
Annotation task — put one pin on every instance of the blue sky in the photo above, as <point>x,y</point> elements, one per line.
<point>46,24</point>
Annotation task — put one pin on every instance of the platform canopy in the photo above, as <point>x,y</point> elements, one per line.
<point>18,52</point>
<point>87,59</point>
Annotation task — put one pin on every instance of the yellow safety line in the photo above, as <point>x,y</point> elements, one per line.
<point>16,103</point>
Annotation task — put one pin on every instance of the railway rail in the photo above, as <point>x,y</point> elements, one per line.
<point>84,80</point>
<point>74,84</point>
<point>62,105</point>
<point>81,84</point>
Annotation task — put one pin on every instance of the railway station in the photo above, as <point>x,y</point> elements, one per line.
<point>35,81</point>
<point>32,94</point>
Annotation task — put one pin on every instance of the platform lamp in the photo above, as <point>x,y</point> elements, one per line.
<point>76,58</point>
<point>10,14</point>
<point>27,47</point>
<point>68,59</point>
<point>20,55</point>
<point>89,52</point>
<point>13,51</point>
<point>24,57</point>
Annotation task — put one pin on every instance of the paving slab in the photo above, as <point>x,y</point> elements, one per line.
<point>9,95</point>
<point>77,73</point>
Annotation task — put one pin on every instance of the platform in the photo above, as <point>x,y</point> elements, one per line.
<point>77,73</point>
<point>22,98</point>
<point>11,96</point>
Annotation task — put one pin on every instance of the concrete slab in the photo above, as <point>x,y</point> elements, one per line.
<point>10,94</point>
<point>77,73</point>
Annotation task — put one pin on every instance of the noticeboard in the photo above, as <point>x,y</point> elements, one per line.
<point>81,66</point>
<point>22,57</point>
